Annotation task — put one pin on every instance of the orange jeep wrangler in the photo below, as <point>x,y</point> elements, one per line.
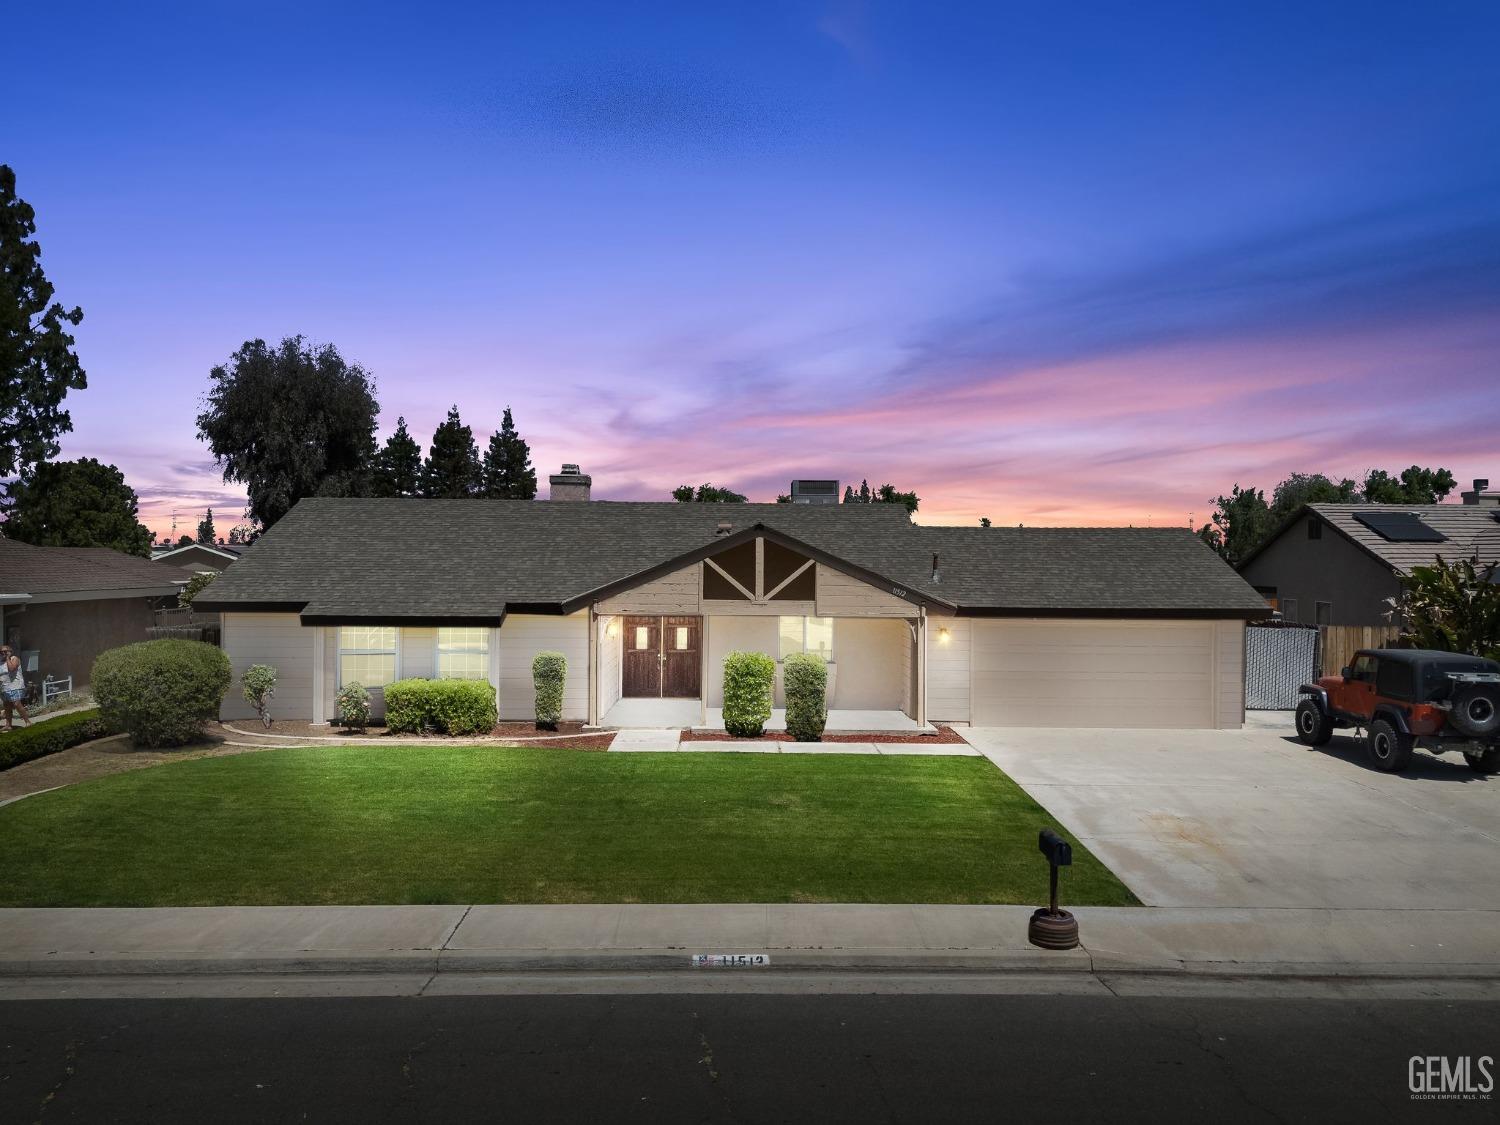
<point>1405,697</point>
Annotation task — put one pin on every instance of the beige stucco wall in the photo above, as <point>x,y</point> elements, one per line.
<point>736,634</point>
<point>872,667</point>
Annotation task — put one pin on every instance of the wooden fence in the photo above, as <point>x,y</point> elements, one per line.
<point>1337,644</point>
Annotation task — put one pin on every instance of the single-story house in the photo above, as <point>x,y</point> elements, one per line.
<point>1340,564</point>
<point>991,626</point>
<point>69,604</point>
<point>200,556</point>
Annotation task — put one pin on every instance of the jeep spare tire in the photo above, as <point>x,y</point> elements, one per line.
<point>1476,710</point>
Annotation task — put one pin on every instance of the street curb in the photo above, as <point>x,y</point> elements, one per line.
<point>474,962</point>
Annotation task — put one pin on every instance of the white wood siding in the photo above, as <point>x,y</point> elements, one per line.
<point>677,593</point>
<point>277,639</point>
<point>841,596</point>
<point>1230,674</point>
<point>522,636</point>
<point>611,655</point>
<point>1100,673</point>
<point>948,669</point>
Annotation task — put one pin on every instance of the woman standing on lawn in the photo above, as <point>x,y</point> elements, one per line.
<point>12,686</point>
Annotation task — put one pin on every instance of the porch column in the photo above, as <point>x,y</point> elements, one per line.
<point>921,708</point>
<point>319,704</point>
<point>593,717</point>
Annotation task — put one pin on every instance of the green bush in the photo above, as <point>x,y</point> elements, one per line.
<point>804,678</point>
<point>749,681</point>
<point>259,682</point>
<point>445,706</point>
<point>51,735</point>
<point>352,706</point>
<point>161,692</point>
<point>549,674</point>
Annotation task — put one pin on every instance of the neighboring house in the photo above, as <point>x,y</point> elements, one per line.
<point>69,604</point>
<point>1000,626</point>
<point>1339,564</point>
<point>200,556</point>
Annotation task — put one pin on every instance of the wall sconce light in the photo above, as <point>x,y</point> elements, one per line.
<point>612,629</point>
<point>944,636</point>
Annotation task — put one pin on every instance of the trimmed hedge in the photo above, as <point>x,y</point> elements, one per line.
<point>804,678</point>
<point>161,692</point>
<point>749,683</point>
<point>445,706</point>
<point>549,675</point>
<point>48,736</point>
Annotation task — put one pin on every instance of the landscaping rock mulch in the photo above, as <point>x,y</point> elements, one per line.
<point>289,732</point>
<point>943,735</point>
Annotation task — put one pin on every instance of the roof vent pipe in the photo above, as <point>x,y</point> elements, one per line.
<point>936,574</point>
<point>724,528</point>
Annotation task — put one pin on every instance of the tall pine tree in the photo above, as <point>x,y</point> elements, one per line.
<point>398,465</point>
<point>452,468</point>
<point>508,474</point>
<point>206,528</point>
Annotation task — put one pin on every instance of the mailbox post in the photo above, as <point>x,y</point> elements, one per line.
<point>1052,927</point>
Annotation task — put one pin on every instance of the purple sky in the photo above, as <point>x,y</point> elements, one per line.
<point>1048,264</point>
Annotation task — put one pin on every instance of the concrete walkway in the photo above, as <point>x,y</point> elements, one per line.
<point>835,936</point>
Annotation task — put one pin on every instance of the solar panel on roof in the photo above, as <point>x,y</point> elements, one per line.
<point>1400,527</point>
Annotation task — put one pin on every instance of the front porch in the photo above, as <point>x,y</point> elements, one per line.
<point>690,714</point>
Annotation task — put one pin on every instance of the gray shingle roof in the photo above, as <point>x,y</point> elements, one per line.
<point>474,558</point>
<point>27,569</point>
<point>1470,530</point>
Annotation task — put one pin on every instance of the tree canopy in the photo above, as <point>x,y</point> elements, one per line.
<point>398,465</point>
<point>452,467</point>
<point>885,494</point>
<point>707,494</point>
<point>38,366</point>
<point>1415,485</point>
<point>80,503</point>
<point>291,421</point>
<point>507,472</point>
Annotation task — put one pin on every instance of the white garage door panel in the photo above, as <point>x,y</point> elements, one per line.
<point>1093,673</point>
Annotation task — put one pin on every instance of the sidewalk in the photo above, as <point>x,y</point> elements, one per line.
<point>435,939</point>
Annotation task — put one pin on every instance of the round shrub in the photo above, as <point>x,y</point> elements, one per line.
<point>352,706</point>
<point>749,682</point>
<point>259,682</point>
<point>445,706</point>
<point>549,674</point>
<point>161,692</point>
<point>804,677</point>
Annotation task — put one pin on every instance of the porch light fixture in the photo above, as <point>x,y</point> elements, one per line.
<point>944,636</point>
<point>612,629</point>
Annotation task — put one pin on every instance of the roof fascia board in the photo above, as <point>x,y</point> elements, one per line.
<point>1155,614</point>
<point>46,598</point>
<point>408,620</point>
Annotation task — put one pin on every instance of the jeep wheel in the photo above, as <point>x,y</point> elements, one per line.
<point>1486,762</point>
<point>1476,710</point>
<point>1314,728</point>
<point>1390,750</point>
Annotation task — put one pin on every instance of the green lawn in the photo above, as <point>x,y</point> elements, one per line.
<point>365,824</point>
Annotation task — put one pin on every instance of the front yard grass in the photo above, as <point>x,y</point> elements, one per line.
<point>431,824</point>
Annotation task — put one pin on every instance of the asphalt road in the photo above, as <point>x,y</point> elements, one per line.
<point>751,1058</point>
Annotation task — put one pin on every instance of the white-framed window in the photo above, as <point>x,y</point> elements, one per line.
<point>807,634</point>
<point>367,654</point>
<point>463,653</point>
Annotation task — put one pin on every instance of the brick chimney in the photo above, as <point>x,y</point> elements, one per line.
<point>570,484</point>
<point>1482,495</point>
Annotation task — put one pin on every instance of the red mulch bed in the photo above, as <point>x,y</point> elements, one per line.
<point>577,739</point>
<point>943,735</point>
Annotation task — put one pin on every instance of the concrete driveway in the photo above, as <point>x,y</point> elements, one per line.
<point>1251,818</point>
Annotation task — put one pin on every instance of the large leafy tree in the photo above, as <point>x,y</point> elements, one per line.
<point>452,467</point>
<point>885,494</point>
<point>507,470</point>
<point>1451,606</point>
<point>398,465</point>
<point>707,494</point>
<point>1240,523</point>
<point>80,503</point>
<point>1310,488</point>
<point>290,421</point>
<point>1415,485</point>
<point>37,364</point>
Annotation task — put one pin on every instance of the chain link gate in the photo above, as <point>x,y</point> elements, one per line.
<point>1279,658</point>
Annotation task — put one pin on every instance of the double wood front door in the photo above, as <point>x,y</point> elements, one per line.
<point>662,657</point>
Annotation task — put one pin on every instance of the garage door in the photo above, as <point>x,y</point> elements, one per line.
<point>1093,673</point>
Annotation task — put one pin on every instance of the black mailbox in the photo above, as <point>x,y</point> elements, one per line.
<point>1058,851</point>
